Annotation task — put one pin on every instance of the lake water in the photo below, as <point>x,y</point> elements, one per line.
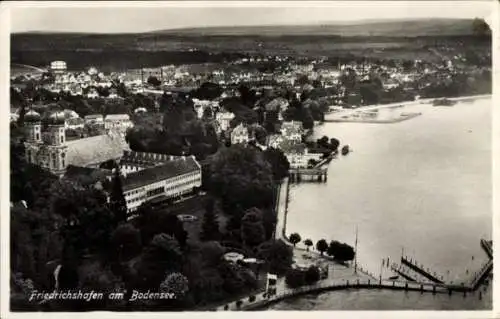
<point>421,187</point>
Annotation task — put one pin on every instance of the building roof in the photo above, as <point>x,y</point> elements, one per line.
<point>288,128</point>
<point>168,170</point>
<point>289,147</point>
<point>93,116</point>
<point>147,159</point>
<point>32,116</point>
<point>95,150</point>
<point>241,129</point>
<point>75,121</point>
<point>276,104</point>
<point>117,117</point>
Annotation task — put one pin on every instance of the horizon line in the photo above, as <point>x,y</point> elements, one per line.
<point>318,23</point>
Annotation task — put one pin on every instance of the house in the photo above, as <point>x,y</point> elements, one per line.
<point>52,151</point>
<point>14,114</point>
<point>224,119</point>
<point>164,182</point>
<point>74,123</point>
<point>292,131</point>
<point>297,154</point>
<point>240,134</point>
<point>94,119</point>
<point>275,140</point>
<point>120,122</point>
<point>92,94</point>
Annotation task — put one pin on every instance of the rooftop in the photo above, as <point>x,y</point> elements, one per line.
<point>95,150</point>
<point>148,159</point>
<point>167,170</point>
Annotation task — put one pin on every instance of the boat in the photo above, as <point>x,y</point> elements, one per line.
<point>345,150</point>
<point>394,278</point>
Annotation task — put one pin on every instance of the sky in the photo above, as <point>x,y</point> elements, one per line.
<point>113,17</point>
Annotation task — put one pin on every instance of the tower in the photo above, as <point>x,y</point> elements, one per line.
<point>57,147</point>
<point>33,131</point>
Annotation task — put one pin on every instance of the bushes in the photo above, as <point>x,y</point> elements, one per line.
<point>312,275</point>
<point>251,298</point>
<point>340,251</point>
<point>295,278</point>
<point>299,277</point>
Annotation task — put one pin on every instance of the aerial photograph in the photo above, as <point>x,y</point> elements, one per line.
<point>250,157</point>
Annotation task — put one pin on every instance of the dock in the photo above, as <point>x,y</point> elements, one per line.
<point>420,269</point>
<point>308,174</point>
<point>487,246</point>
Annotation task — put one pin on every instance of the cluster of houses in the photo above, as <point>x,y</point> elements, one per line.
<point>289,140</point>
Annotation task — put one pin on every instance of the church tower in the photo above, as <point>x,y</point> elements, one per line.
<point>33,131</point>
<point>57,147</point>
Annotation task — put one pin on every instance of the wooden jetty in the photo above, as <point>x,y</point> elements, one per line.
<point>487,246</point>
<point>421,270</point>
<point>301,174</point>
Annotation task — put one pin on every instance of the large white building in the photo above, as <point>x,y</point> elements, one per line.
<point>240,134</point>
<point>224,119</point>
<point>120,122</point>
<point>292,131</point>
<point>297,154</point>
<point>158,177</point>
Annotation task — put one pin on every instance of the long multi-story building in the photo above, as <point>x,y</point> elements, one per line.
<point>167,181</point>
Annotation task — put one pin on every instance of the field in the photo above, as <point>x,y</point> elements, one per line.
<point>115,52</point>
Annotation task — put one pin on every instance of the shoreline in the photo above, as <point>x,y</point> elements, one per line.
<point>337,116</point>
<point>370,121</point>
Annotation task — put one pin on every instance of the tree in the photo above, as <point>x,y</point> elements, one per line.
<point>312,275</point>
<point>152,222</point>
<point>210,226</point>
<point>294,238</point>
<point>321,246</point>
<point>480,27</point>
<point>295,278</point>
<point>341,251</point>
<point>84,217</point>
<point>125,241</point>
<point>308,243</point>
<point>153,80</point>
<point>277,255</point>
<point>278,161</point>
<point>208,91</point>
<point>117,203</point>
<point>176,284</point>
<point>252,227</point>
<point>161,255</point>
<point>239,175</point>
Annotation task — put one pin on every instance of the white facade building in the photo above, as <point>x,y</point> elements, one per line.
<point>240,134</point>
<point>94,119</point>
<point>120,122</point>
<point>292,131</point>
<point>169,180</point>
<point>224,119</point>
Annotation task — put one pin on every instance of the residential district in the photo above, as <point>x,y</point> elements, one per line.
<point>167,179</point>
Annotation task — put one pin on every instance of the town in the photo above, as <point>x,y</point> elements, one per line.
<point>169,177</point>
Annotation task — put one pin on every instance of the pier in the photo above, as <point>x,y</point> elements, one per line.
<point>421,270</point>
<point>487,246</point>
<point>310,174</point>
